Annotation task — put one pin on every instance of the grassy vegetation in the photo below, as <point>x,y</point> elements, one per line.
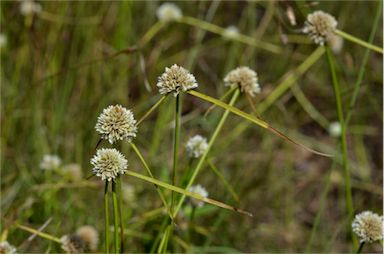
<point>61,67</point>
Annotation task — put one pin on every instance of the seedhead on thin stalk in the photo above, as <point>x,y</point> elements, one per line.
<point>320,27</point>
<point>196,146</point>
<point>368,226</point>
<point>116,123</point>
<point>245,79</point>
<point>108,164</point>
<point>176,79</point>
<point>168,12</point>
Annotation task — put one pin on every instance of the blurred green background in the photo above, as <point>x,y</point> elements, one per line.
<point>57,74</point>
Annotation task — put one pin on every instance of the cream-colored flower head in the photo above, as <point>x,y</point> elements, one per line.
<point>335,43</point>
<point>168,12</point>
<point>73,170</point>
<point>334,129</point>
<point>50,162</point>
<point>320,26</point>
<point>196,146</point>
<point>108,163</point>
<point>6,248</point>
<point>231,32</point>
<point>116,123</point>
<point>29,7</point>
<point>3,40</point>
<point>72,244</point>
<point>200,190</point>
<point>89,236</point>
<point>244,78</point>
<point>176,79</point>
<point>368,226</point>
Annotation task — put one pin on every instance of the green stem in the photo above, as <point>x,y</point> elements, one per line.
<point>347,177</point>
<point>360,247</point>
<point>152,31</point>
<point>106,244</point>
<point>359,41</point>
<point>222,31</point>
<point>115,218</point>
<point>119,199</point>
<point>204,156</point>
<point>175,145</point>
<point>39,233</point>
<point>151,109</point>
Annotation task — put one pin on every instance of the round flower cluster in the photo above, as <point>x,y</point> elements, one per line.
<point>320,26</point>
<point>196,146</point>
<point>200,190</point>
<point>6,248</point>
<point>334,129</point>
<point>176,79</point>
<point>29,7</point>
<point>168,12</point>
<point>231,32</point>
<point>116,123</point>
<point>85,239</point>
<point>368,226</point>
<point>244,78</point>
<point>50,162</point>
<point>108,163</point>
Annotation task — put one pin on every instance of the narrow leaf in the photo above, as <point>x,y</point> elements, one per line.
<point>187,193</point>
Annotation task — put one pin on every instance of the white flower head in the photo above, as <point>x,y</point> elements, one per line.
<point>116,123</point>
<point>72,244</point>
<point>334,129</point>
<point>89,236</point>
<point>335,43</point>
<point>200,190</point>
<point>29,7</point>
<point>6,248</point>
<point>50,162</point>
<point>3,40</point>
<point>196,146</point>
<point>368,226</point>
<point>73,170</point>
<point>244,78</point>
<point>108,163</point>
<point>320,26</point>
<point>168,12</point>
<point>231,32</point>
<point>176,79</point>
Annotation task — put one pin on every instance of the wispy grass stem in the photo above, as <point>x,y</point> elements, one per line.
<point>115,217</point>
<point>106,219</point>
<point>359,41</point>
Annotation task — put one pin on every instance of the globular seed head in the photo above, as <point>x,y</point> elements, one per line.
<point>320,26</point>
<point>196,146</point>
<point>50,162</point>
<point>7,248</point>
<point>245,78</point>
<point>168,12</point>
<point>116,123</point>
<point>368,226</point>
<point>108,163</point>
<point>176,79</point>
<point>200,190</point>
<point>89,236</point>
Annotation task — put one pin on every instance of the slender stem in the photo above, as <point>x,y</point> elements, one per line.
<point>152,31</point>
<point>222,31</point>
<point>204,156</point>
<point>119,199</point>
<point>175,145</point>
<point>115,218</point>
<point>343,140</point>
<point>363,65</point>
<point>161,195</point>
<point>151,109</point>
<point>359,41</point>
<point>360,247</point>
<point>39,233</point>
<point>106,244</point>
<point>191,222</point>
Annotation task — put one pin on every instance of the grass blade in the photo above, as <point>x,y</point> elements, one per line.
<point>187,193</point>
<point>359,41</point>
<point>151,109</point>
<point>137,151</point>
<point>39,233</point>
<point>251,118</point>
